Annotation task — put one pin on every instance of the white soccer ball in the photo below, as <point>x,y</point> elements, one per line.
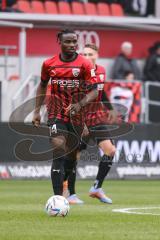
<point>57,206</point>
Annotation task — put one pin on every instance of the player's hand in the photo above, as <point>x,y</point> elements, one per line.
<point>36,119</point>
<point>85,131</point>
<point>112,117</point>
<point>73,108</point>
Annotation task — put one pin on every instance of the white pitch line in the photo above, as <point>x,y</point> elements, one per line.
<point>131,210</point>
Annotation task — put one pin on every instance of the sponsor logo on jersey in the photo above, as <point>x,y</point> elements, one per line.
<point>75,72</point>
<point>101,76</point>
<point>66,83</point>
<point>53,73</point>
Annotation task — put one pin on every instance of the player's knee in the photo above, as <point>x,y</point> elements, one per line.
<point>112,151</point>
<point>58,142</point>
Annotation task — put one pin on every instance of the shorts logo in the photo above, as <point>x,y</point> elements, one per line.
<point>75,72</point>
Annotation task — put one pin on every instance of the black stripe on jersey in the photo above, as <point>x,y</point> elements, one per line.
<point>99,73</point>
<point>63,77</point>
<point>61,66</point>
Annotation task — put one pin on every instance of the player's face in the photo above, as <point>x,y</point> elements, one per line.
<point>69,43</point>
<point>90,54</point>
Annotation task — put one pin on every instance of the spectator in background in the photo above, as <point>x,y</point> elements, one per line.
<point>129,76</point>
<point>125,63</point>
<point>152,66</point>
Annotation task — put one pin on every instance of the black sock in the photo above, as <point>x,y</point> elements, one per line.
<point>70,174</point>
<point>104,167</point>
<point>72,181</point>
<point>57,172</point>
<point>66,170</point>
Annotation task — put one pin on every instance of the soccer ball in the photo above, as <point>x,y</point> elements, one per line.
<point>57,206</point>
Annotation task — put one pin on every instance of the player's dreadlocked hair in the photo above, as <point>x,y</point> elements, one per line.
<point>64,31</point>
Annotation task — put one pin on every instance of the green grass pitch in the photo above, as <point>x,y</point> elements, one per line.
<point>22,215</point>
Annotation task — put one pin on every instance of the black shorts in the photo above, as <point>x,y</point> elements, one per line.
<point>71,132</point>
<point>96,135</point>
<point>100,133</point>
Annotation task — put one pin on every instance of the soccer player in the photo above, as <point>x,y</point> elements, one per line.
<point>71,76</point>
<point>93,121</point>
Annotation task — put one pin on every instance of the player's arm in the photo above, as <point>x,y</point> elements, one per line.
<point>112,113</point>
<point>105,101</point>
<point>89,97</point>
<point>90,84</point>
<point>76,107</point>
<point>40,96</point>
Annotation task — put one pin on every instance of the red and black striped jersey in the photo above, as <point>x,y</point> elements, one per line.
<point>69,83</point>
<point>96,112</point>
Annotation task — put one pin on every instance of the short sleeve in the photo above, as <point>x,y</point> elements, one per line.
<point>44,74</point>
<point>101,79</point>
<point>90,75</point>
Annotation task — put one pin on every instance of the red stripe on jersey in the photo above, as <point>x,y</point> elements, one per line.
<point>96,113</point>
<point>68,81</point>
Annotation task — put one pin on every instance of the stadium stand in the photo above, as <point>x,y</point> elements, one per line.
<point>77,8</point>
<point>37,7</point>
<point>50,7</point>
<point>103,9</point>
<point>24,6</point>
<point>90,9</point>
<point>64,7</point>
<point>95,7</point>
<point>116,10</point>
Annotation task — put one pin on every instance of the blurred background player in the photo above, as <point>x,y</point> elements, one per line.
<point>106,146</point>
<point>69,73</point>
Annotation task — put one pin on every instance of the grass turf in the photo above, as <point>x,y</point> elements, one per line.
<point>22,215</point>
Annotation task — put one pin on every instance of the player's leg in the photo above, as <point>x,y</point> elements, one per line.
<point>58,139</point>
<point>70,172</point>
<point>70,176</point>
<point>107,151</point>
<point>57,169</point>
<point>70,168</point>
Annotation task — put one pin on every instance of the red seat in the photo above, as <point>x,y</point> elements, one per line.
<point>37,7</point>
<point>24,6</point>
<point>103,9</point>
<point>77,8</point>
<point>90,8</point>
<point>51,7</point>
<point>116,10</point>
<point>64,7</point>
